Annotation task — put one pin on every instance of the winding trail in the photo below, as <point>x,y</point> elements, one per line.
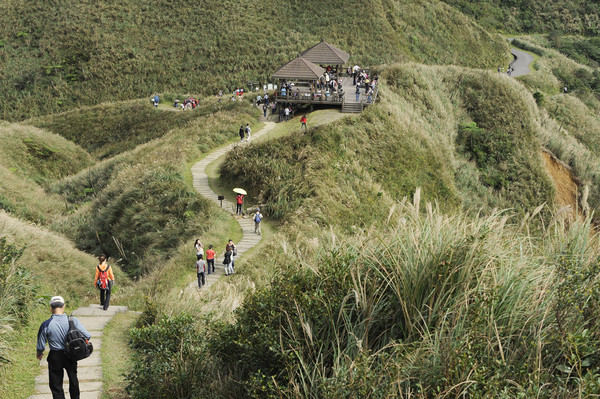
<point>89,370</point>
<point>521,62</point>
<point>200,182</point>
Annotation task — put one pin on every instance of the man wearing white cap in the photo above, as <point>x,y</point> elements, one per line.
<point>54,331</point>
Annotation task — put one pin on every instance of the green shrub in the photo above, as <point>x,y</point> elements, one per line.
<point>170,360</point>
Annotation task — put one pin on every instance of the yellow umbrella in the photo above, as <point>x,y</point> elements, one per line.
<point>240,191</point>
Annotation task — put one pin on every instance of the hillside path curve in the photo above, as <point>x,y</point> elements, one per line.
<point>201,185</point>
<point>89,371</point>
<point>521,62</point>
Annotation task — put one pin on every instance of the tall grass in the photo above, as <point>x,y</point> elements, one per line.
<point>430,305</point>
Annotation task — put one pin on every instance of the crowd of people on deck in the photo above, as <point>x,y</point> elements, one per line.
<point>362,79</point>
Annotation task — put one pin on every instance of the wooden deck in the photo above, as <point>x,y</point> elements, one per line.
<point>347,101</point>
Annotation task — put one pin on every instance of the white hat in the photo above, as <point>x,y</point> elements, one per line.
<point>57,299</point>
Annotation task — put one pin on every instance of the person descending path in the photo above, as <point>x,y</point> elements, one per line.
<point>199,249</point>
<point>227,260</point>
<point>210,259</point>
<point>303,122</point>
<point>231,246</point>
<point>241,133</point>
<point>104,281</point>
<point>201,271</point>
<point>257,219</point>
<point>54,332</point>
<point>248,131</point>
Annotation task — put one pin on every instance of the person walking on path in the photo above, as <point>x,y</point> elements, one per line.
<point>265,109</point>
<point>104,280</point>
<point>303,122</point>
<point>257,219</point>
<point>201,271</point>
<point>199,249</point>
<point>287,113</point>
<point>54,332</point>
<point>248,131</point>
<point>239,199</point>
<point>227,259</point>
<point>210,259</point>
<point>357,93</point>
<point>231,247</point>
<point>241,133</point>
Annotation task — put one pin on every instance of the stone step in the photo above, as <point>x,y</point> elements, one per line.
<point>94,323</point>
<point>96,310</point>
<point>84,395</point>
<point>93,373</point>
<point>83,386</point>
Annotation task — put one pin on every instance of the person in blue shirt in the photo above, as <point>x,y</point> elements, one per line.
<point>54,332</point>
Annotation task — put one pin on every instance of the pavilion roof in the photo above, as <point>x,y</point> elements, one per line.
<point>324,53</point>
<point>299,68</point>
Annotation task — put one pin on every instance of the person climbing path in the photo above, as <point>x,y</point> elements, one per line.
<point>89,370</point>
<point>200,181</point>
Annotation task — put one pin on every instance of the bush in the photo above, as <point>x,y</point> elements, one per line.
<point>170,360</point>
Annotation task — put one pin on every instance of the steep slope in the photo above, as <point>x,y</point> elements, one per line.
<point>58,55</point>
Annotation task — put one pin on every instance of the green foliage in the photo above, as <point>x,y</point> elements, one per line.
<point>569,16</point>
<point>585,50</point>
<point>17,290</point>
<point>488,151</point>
<point>60,57</point>
<point>169,361</point>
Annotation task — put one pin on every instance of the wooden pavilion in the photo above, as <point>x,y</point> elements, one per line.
<point>303,75</point>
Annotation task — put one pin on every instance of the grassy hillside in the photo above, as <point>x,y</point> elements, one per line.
<point>441,129</point>
<point>136,206</point>
<point>108,129</point>
<point>56,55</point>
<point>30,160</point>
<point>569,16</point>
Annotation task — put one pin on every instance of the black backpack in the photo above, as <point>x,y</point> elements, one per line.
<point>77,346</point>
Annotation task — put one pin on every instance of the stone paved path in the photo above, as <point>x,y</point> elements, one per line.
<point>200,181</point>
<point>89,370</point>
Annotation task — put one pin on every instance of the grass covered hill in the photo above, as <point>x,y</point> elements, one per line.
<point>437,128</point>
<point>529,16</point>
<point>58,55</point>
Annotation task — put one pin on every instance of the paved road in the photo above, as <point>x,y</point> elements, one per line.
<point>89,371</point>
<point>521,62</point>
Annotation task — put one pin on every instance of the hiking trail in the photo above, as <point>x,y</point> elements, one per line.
<point>89,370</point>
<point>521,62</point>
<point>200,182</point>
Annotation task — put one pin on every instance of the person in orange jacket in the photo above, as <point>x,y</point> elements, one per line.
<point>104,281</point>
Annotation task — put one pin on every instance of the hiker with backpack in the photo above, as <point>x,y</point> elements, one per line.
<point>104,281</point>
<point>257,219</point>
<point>55,332</point>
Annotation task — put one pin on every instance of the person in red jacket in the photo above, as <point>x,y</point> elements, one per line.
<point>240,201</point>
<point>303,122</point>
<point>104,280</point>
<point>210,259</point>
